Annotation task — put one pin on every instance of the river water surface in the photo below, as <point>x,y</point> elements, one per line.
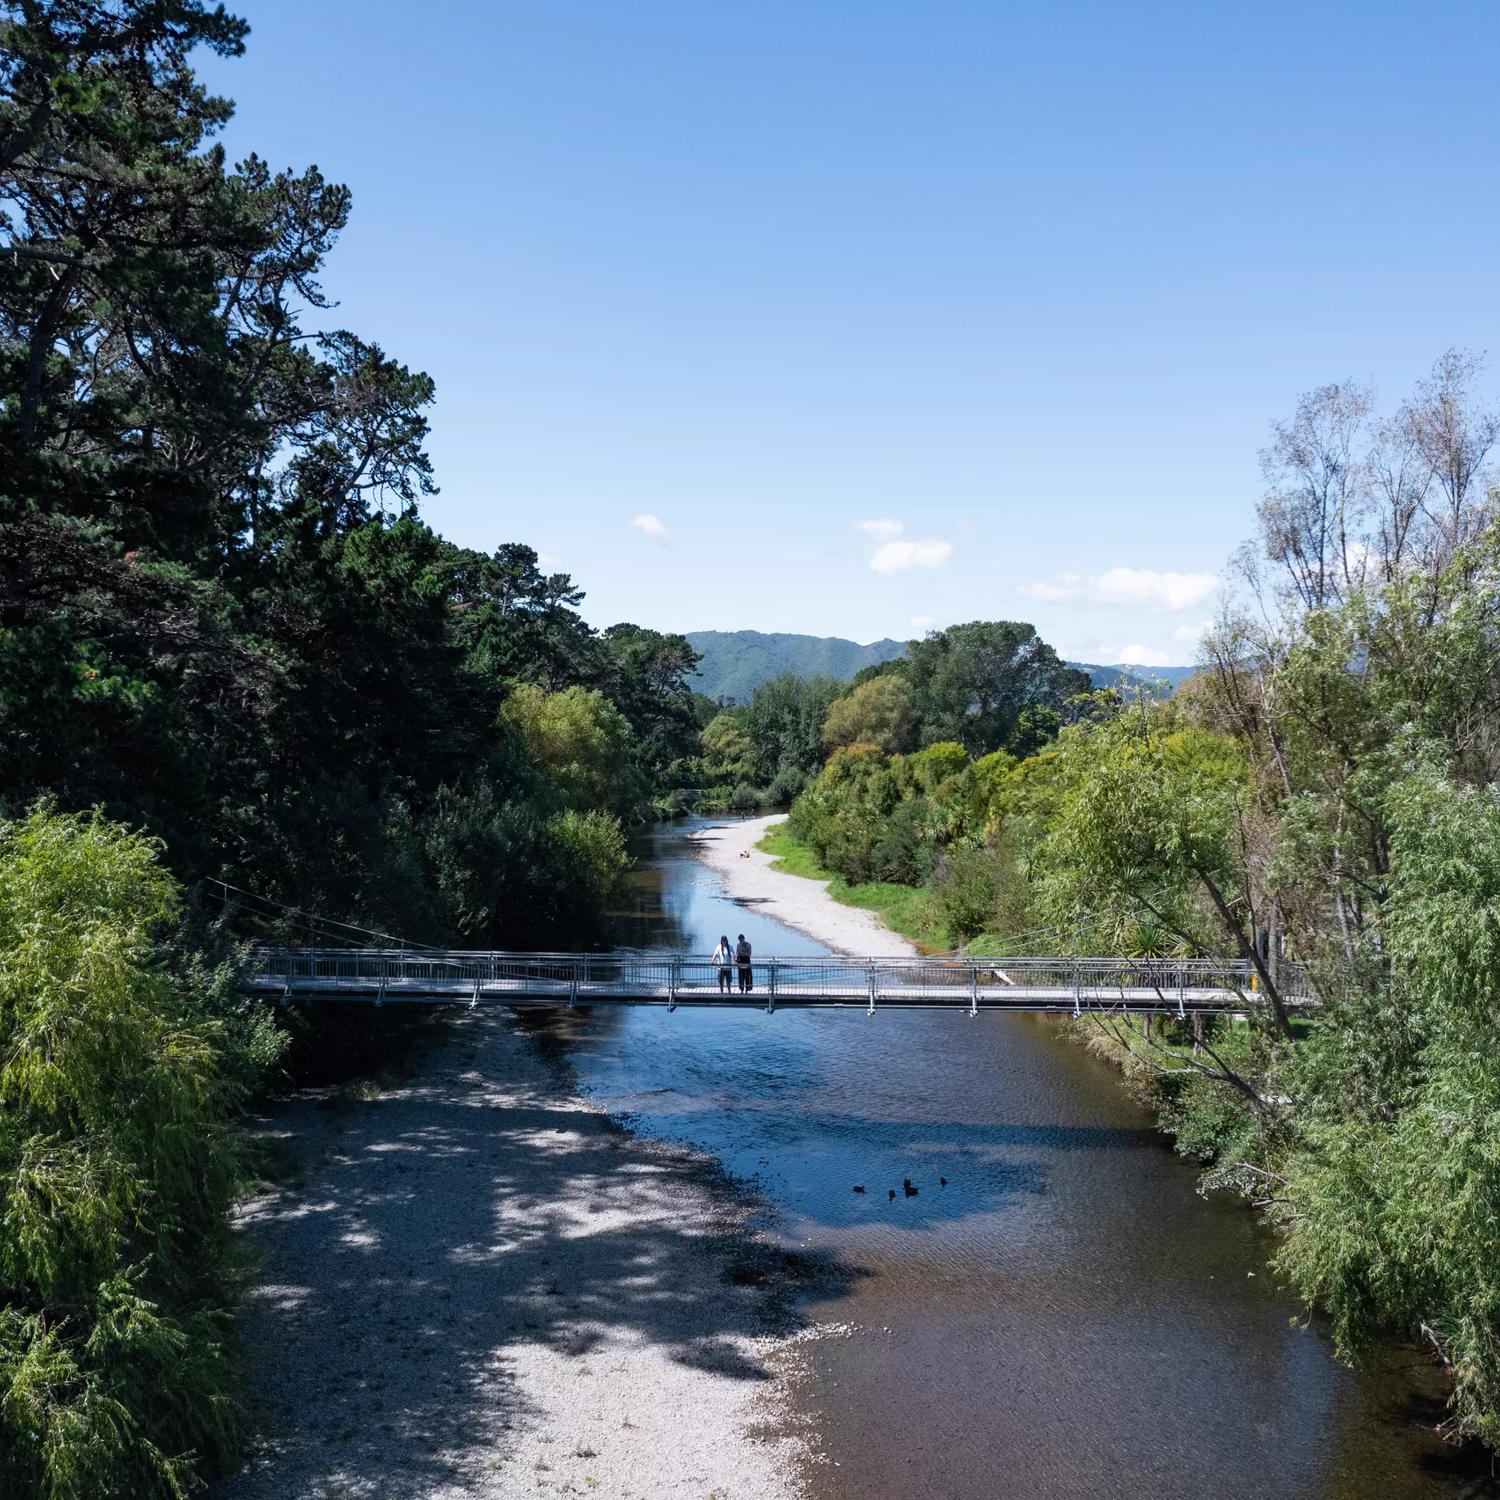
<point>1067,1317</point>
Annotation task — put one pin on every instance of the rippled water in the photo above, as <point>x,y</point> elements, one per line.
<point>1066,1317</point>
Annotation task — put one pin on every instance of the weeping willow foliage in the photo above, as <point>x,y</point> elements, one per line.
<point>117,1166</point>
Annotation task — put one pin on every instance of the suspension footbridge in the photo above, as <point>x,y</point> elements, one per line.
<point>382,976</point>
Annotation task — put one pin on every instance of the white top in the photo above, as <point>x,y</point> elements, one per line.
<point>723,954</point>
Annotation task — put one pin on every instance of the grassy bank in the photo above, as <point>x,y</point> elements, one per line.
<point>1154,1057</point>
<point>903,908</point>
<point>1198,1114</point>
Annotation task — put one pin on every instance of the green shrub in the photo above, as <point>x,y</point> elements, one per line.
<point>727,749</point>
<point>901,854</point>
<point>982,889</point>
<point>117,1170</point>
<point>583,745</point>
<point>1208,1122</point>
<point>510,873</point>
<point>786,786</point>
<point>967,892</point>
<point>746,798</point>
<point>593,848</point>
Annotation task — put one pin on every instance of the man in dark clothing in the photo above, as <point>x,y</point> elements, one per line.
<point>742,960</point>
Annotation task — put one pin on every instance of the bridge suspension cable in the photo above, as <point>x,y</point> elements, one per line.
<point>325,926</point>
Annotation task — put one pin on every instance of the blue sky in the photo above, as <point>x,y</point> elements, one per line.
<point>1019,287</point>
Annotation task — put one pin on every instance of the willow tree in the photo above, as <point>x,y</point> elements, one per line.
<point>115,1380</point>
<point>1391,1202</point>
<point>880,712</point>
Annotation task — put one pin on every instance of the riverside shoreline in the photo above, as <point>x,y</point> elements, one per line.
<point>732,851</point>
<point>475,1284</point>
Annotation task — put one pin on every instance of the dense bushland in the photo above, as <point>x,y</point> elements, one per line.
<point>119,1072</point>
<point>735,662</point>
<point>221,616</point>
<point>225,626</point>
<point>985,685</point>
<point>764,751</point>
<point>1325,792</point>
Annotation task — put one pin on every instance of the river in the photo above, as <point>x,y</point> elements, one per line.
<point>1067,1317</point>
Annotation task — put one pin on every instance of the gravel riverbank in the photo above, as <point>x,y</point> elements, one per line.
<point>748,874</point>
<point>474,1284</point>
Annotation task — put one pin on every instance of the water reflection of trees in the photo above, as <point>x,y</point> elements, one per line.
<point>643,915</point>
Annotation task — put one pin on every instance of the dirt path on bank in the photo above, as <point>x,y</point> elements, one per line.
<point>477,1285</point>
<point>748,875</point>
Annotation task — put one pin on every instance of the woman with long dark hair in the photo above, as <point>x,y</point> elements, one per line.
<point>723,955</point>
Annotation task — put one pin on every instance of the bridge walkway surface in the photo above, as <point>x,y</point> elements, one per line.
<point>304,976</point>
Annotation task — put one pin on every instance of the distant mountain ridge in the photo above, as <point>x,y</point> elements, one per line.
<point>1132,674</point>
<point>736,662</point>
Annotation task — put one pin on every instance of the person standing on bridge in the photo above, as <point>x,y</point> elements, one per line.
<point>742,958</point>
<point>724,957</point>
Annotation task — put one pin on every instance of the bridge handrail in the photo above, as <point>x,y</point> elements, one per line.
<point>471,957</point>
<point>684,969</point>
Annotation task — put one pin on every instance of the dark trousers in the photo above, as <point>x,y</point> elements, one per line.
<point>724,981</point>
<point>747,982</point>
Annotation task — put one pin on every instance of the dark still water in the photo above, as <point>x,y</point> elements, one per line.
<point>1066,1317</point>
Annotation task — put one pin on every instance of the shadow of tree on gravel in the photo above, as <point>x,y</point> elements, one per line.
<point>442,1228</point>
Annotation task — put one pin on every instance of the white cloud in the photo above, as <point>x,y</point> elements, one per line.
<point>651,525</point>
<point>1129,588</point>
<point>549,562</point>
<point>892,556</point>
<point>1052,591</point>
<point>897,557</point>
<point>1140,656</point>
<point>1111,654</point>
<point>923,623</point>
<point>1192,634</point>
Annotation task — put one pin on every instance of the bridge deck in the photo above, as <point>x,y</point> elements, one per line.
<point>308,976</point>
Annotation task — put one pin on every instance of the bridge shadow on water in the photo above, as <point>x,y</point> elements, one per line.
<point>440,1244</point>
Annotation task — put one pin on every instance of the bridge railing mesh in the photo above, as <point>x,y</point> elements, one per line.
<point>581,976</point>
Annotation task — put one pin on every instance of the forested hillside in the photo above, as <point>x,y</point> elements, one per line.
<point>736,662</point>
<point>989,684</point>
<point>1161,679</point>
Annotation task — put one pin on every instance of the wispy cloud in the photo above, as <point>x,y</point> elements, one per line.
<point>893,556</point>
<point>1140,656</point>
<point>1192,634</point>
<point>898,557</point>
<point>922,623</point>
<point>1128,588</point>
<point>651,525</point>
<point>1109,653</point>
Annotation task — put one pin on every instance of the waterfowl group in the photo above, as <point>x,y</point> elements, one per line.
<point>908,1187</point>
